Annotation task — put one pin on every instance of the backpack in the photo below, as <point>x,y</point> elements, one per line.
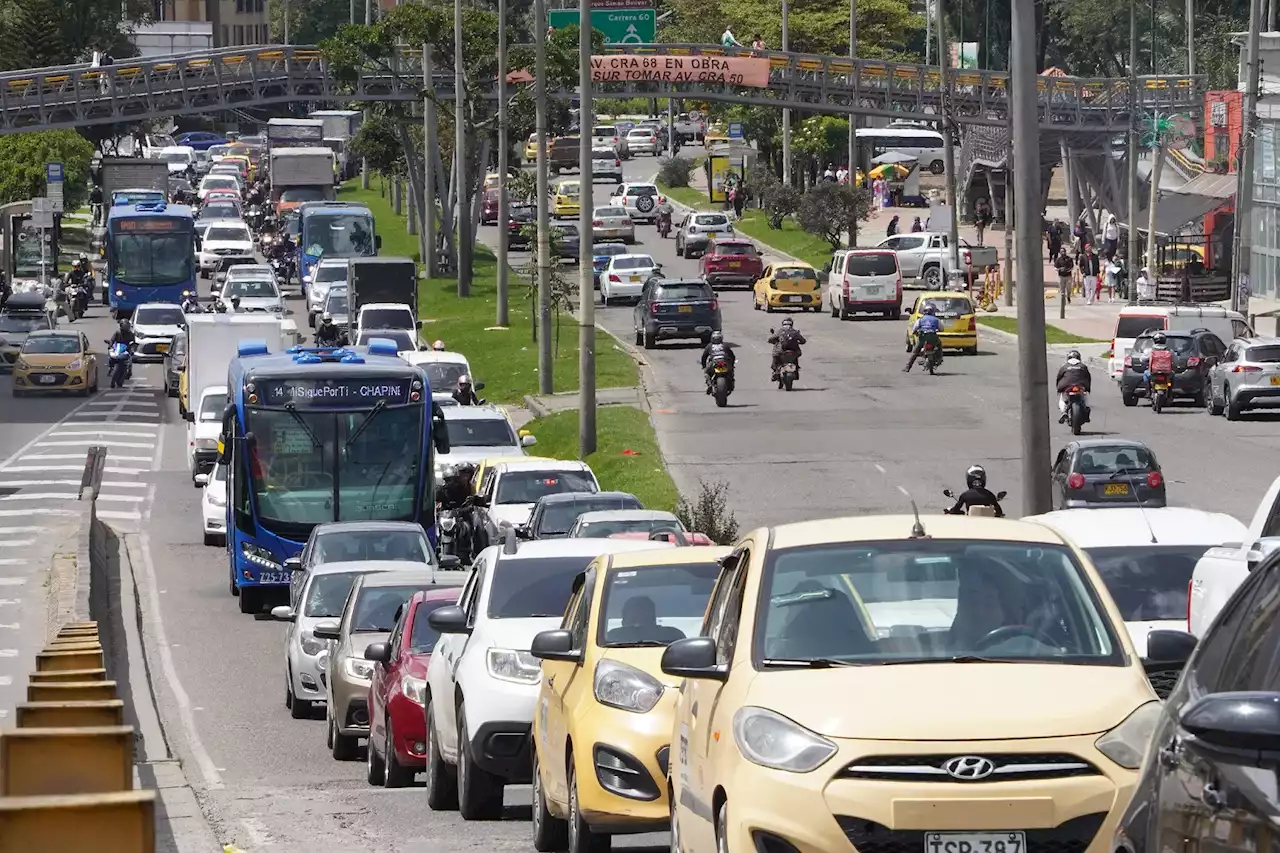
<point>1161,361</point>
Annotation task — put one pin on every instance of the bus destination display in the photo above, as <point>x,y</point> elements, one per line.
<point>149,223</point>
<point>321,392</point>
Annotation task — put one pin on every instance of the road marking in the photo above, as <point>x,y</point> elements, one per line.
<point>89,441</point>
<point>12,626</point>
<point>8,653</point>
<point>10,602</point>
<point>16,543</point>
<point>258,835</point>
<point>125,498</point>
<point>45,496</point>
<point>12,581</point>
<point>120,484</point>
<point>118,515</point>
<point>6,680</point>
<point>66,433</point>
<point>43,511</point>
<point>30,469</point>
<point>80,456</point>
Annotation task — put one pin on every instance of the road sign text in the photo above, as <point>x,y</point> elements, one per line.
<point>736,71</point>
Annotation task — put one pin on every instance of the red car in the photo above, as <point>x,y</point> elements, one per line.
<point>731,261</point>
<point>489,208</point>
<point>397,718</point>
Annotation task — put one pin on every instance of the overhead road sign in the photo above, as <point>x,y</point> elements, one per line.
<point>618,26</point>
<point>621,4</point>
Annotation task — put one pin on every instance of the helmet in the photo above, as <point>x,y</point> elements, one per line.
<point>787,323</point>
<point>1159,339</point>
<point>464,379</point>
<point>1075,353</point>
<point>929,309</point>
<point>84,257</point>
<point>327,317</point>
<point>717,337</point>
<point>465,470</point>
<point>124,324</point>
<point>976,477</point>
<point>438,346</point>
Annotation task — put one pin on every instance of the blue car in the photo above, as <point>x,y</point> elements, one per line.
<point>600,255</point>
<point>200,140</point>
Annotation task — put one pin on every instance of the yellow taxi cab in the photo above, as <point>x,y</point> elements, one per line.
<point>240,161</point>
<point>531,147</point>
<point>566,202</point>
<point>57,360</point>
<point>602,721</point>
<point>491,181</point>
<point>793,284</point>
<point>840,696</point>
<point>184,394</point>
<point>485,464</point>
<point>958,316</point>
<point>716,134</point>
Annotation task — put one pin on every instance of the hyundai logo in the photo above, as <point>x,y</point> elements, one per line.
<point>969,768</point>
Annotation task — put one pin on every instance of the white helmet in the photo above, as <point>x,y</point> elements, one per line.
<point>438,346</point>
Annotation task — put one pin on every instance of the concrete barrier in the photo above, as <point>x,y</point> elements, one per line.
<point>48,762</point>
<point>69,659</point>
<point>89,625</point>
<point>68,675</point>
<point>74,644</point>
<point>72,691</point>
<point>53,715</point>
<point>89,823</point>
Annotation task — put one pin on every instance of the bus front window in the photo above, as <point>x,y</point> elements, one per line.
<point>379,458</point>
<point>341,235</point>
<point>154,259</point>
<point>291,466</point>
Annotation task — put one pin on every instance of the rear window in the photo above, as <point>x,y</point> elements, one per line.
<point>1132,327</point>
<point>603,154</point>
<point>1178,346</point>
<point>609,248</point>
<point>710,219</point>
<point>950,306</point>
<point>1264,355</point>
<point>881,263</point>
<point>611,211</point>
<point>683,291</point>
<point>558,517</point>
<point>795,274</point>
<point>1114,460</point>
<point>1148,582</point>
<point>643,189</point>
<point>605,130</point>
<point>643,262</point>
<point>735,249</point>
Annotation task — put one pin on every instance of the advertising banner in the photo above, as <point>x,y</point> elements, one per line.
<point>734,70</point>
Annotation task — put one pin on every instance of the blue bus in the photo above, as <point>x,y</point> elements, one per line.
<point>333,229</point>
<point>314,435</point>
<point>150,254</point>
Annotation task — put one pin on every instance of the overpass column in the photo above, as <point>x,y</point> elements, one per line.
<point>786,114</point>
<point>1069,178</point>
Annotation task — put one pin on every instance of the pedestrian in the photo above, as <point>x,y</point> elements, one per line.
<point>981,217</point>
<point>1089,269</point>
<point>917,226</point>
<point>842,175</point>
<point>1081,234</point>
<point>727,39</point>
<point>1113,272</point>
<point>1110,237</point>
<point>1146,286</point>
<point>829,175</point>
<point>739,201</point>
<point>1053,239</point>
<point>892,230</point>
<point>1186,284</point>
<point>1064,265</point>
<point>757,42</point>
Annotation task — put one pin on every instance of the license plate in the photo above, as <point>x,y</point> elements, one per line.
<point>162,347</point>
<point>734,265</point>
<point>635,279</point>
<point>685,309</point>
<point>1275,380</point>
<point>1160,386</point>
<point>871,291</point>
<point>48,380</point>
<point>720,369</point>
<point>1115,489</point>
<point>975,842</point>
<point>795,299</point>
<point>956,325</point>
<point>274,577</point>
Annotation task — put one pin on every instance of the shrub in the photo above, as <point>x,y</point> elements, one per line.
<point>675,171</point>
<point>828,210</point>
<point>709,513</point>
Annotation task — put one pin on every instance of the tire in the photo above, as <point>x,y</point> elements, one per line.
<point>1077,417</point>
<point>1234,409</point>
<point>835,312</point>
<point>298,708</point>
<point>1130,400</point>
<point>768,308</point>
<point>721,391</point>
<point>250,600</point>
<point>650,339</point>
<point>396,774</point>
<point>375,767</point>
<point>581,838</point>
<point>932,277</point>
<point>679,249</point>
<point>1212,404</point>
<point>170,392</point>
<point>209,540</point>
<point>442,781</point>
<point>937,167</point>
<point>1157,401</point>
<point>639,338</point>
<point>479,791</point>
<point>231,583</point>
<point>550,833</point>
<point>788,380</point>
<point>345,747</point>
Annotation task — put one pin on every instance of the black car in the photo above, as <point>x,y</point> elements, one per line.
<point>1097,472</point>
<point>1194,353</point>
<point>567,245</point>
<point>518,217</point>
<point>554,515</point>
<point>175,362</point>
<point>675,308</point>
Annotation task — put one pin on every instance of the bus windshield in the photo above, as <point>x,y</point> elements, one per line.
<point>339,235</point>
<point>152,257</point>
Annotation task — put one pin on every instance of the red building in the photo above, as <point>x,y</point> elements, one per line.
<point>1222,115</point>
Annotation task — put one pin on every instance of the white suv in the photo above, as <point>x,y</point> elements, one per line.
<point>482,683</point>
<point>640,200</point>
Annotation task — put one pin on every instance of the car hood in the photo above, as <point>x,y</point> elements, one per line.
<point>156,331</point>
<point>518,634</point>
<point>513,514</point>
<point>356,643</point>
<point>39,360</point>
<point>1036,700</point>
<point>245,246</point>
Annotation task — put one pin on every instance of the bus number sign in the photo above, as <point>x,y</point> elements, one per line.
<point>148,224</point>
<point>333,392</point>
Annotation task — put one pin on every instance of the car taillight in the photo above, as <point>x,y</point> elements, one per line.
<point>846,289</point>
<point>617,162</point>
<point>1245,368</point>
<point>1075,481</point>
<point>613,277</point>
<point>715,304</point>
<point>1128,361</point>
<point>597,223</point>
<point>653,308</point>
<point>973,324</point>
<point>1194,361</point>
<point>1154,480</point>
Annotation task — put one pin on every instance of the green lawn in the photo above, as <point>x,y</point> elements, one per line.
<point>618,429</point>
<point>688,196</point>
<point>1052,334</point>
<point>506,360</point>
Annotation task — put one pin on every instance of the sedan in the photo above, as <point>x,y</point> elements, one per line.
<point>213,504</point>
<point>612,223</point>
<point>625,276</point>
<point>600,255</point>
<point>606,164</point>
<point>1094,472</point>
<point>518,218</point>
<point>566,242</point>
<point>644,140</point>
<point>489,208</point>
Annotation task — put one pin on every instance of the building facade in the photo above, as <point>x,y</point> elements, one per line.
<point>233,22</point>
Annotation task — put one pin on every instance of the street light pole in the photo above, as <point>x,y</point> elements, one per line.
<point>948,150</point>
<point>429,253</point>
<point>462,192</point>
<point>1242,232</point>
<point>786,113</point>
<point>504,145</point>
<point>1133,264</point>
<point>586,287</point>
<point>852,163</point>
<point>364,161</point>
<point>1033,371</point>
<point>542,325</point>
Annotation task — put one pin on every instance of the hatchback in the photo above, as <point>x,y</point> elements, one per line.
<point>696,231</point>
<point>1194,354</point>
<point>1107,472</point>
<point>625,275</point>
<point>489,208</point>
<point>553,515</point>
<point>600,255</point>
<point>644,140</point>
<point>612,223</point>
<point>788,285</point>
<point>958,316</point>
<point>1247,374</point>
<point>605,163</point>
<point>730,261</point>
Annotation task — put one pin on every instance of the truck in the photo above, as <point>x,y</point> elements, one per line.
<point>212,343</point>
<point>340,127</point>
<point>1221,570</point>
<point>381,280</point>
<point>284,132</point>
<point>132,173</point>
<point>923,257</point>
<point>300,174</point>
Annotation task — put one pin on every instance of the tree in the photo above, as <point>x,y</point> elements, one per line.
<point>378,140</point>
<point>37,35</point>
<point>829,209</point>
<point>23,157</point>
<point>313,21</point>
<point>58,32</point>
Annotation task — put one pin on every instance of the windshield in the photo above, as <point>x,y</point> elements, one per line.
<point>609,249</point>
<point>1132,327</point>
<point>423,639</point>
<point>656,605</point>
<point>159,316</point>
<point>339,235</point>
<point>881,263</point>
<point>647,526</point>
<point>240,235</point>
<point>1111,460</point>
<point>489,432</point>
<point>558,517</point>
<point>442,375</point>
<point>525,487</point>
<point>211,407</point>
<point>53,345</point>
<point>220,182</point>
<point>176,156</point>
<point>24,322</point>
<point>1148,582</point>
<point>403,341</point>
<point>342,546</point>
<point>336,304</point>
<point>330,272</point>
<point>640,262</point>
<point>682,291</point>
<point>328,593</point>
<point>301,194</point>
<point>376,607</point>
<point>220,210</point>
<point>152,259</point>
<point>710,219</point>
<point>372,475</point>
<point>524,587</point>
<point>610,211</point>
<point>254,288</point>
<point>949,306</point>
<point>386,318</point>
<point>930,600</point>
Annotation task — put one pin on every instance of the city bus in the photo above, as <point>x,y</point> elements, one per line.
<point>313,435</point>
<point>922,143</point>
<point>150,254</point>
<point>333,229</point>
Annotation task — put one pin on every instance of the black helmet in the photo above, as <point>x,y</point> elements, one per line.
<point>1159,339</point>
<point>124,324</point>
<point>929,308</point>
<point>1074,354</point>
<point>787,323</point>
<point>976,477</point>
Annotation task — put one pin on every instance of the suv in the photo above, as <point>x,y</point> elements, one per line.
<point>328,273</point>
<point>675,308</point>
<point>644,140</point>
<point>640,200</point>
<point>1248,371</point>
<point>731,261</point>
<point>24,313</point>
<point>611,137</point>
<point>1194,352</point>
<point>553,515</point>
<point>696,231</point>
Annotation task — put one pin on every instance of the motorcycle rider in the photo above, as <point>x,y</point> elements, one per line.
<point>926,330</point>
<point>786,339</point>
<point>124,335</point>
<point>95,204</point>
<point>665,210</point>
<point>190,304</point>
<point>465,393</point>
<point>1073,372</point>
<point>327,333</point>
<point>1159,341</point>
<point>78,278</point>
<point>976,493</point>
<point>717,349</point>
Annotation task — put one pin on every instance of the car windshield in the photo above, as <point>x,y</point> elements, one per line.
<point>931,600</point>
<point>682,292</point>
<point>879,263</point>
<point>302,194</point>
<point>255,288</point>
<point>340,235</point>
<point>1132,327</point>
<point>487,432</point>
<point>341,546</point>
<point>443,375</point>
<point>386,318</point>
<point>609,249</point>
<point>1148,582</point>
<point>605,529</point>
<point>24,322</point>
<point>52,345</point>
<point>377,606</point>
<point>423,639</point>
<point>402,339</point>
<point>1114,460</point>
<point>158,316</point>
<point>710,219</point>
<point>336,304</point>
<point>211,407</point>
<point>220,182</point>
<point>558,517</point>
<point>611,211</point>
<point>327,594</point>
<point>240,235</point>
<point>524,587</point>
<point>221,210</point>
<point>656,605</point>
<point>639,262</point>
<point>525,487</point>
<point>330,272</point>
<point>949,306</point>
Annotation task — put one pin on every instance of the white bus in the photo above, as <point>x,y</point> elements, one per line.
<point>924,145</point>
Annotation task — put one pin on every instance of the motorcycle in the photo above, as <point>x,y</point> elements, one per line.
<point>453,530</point>
<point>119,363</point>
<point>76,300</point>
<point>1161,383</point>
<point>1077,411</point>
<point>932,355</point>
<point>788,369</point>
<point>721,381</point>
<point>254,218</point>
<point>985,511</point>
<point>664,225</point>
<point>282,266</point>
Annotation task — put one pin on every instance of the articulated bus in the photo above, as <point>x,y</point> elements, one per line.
<point>312,435</point>
<point>150,254</point>
<point>333,229</point>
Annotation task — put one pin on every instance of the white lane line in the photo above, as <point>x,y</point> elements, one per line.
<point>257,832</point>
<point>86,442</point>
<point>23,529</point>
<point>43,496</point>
<point>36,457</point>
<point>104,433</point>
<point>12,581</point>
<point>42,511</point>
<point>6,680</point>
<point>8,653</point>
<point>26,484</point>
<point>31,469</point>
<point>118,515</point>
<point>16,543</point>
<point>35,442</point>
<point>13,561</point>
<point>10,602</point>
<point>123,498</point>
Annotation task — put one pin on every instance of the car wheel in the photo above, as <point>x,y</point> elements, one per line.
<point>479,791</point>
<point>441,781</point>
<point>1201,398</point>
<point>550,833</point>
<point>835,312</point>
<point>650,339</point>
<point>1212,403</point>
<point>1234,409</point>
<point>396,774</point>
<point>375,766</point>
<point>1128,398</point>
<point>345,747</point>
<point>581,838</point>
<point>298,709</point>
<point>932,278</point>
<point>679,250</point>
<point>639,338</point>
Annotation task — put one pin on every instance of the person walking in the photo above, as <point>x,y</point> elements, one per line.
<point>892,230</point>
<point>1110,237</point>
<point>757,42</point>
<point>1064,265</point>
<point>916,225</point>
<point>981,218</point>
<point>727,39</point>
<point>1089,271</point>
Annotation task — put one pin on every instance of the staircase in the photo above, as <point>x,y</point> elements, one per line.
<point>984,169</point>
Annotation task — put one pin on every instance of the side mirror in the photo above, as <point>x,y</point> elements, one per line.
<point>1244,721</point>
<point>450,561</point>
<point>479,386</point>
<point>555,645</point>
<point>283,613</point>
<point>448,620</point>
<point>325,631</point>
<point>377,242</point>
<point>202,479</point>
<point>293,564</point>
<point>417,324</point>
<point>948,493</point>
<point>1000,495</point>
<point>528,440</point>
<point>694,657</point>
<point>189,417</point>
<point>1168,649</point>
<point>1260,550</point>
<point>378,653</point>
<point>522,531</point>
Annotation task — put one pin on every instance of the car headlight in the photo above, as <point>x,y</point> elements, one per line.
<point>206,444</point>
<point>771,740</point>
<point>1126,744</point>
<point>414,689</point>
<point>21,364</point>
<point>310,645</point>
<point>515,667</point>
<point>259,556</point>
<point>359,668</point>
<point>307,278</point>
<point>322,660</point>
<point>447,523</point>
<point>75,365</point>
<point>619,685</point>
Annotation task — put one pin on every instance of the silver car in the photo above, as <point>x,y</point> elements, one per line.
<point>644,140</point>
<point>329,273</point>
<point>606,164</point>
<point>1248,374</point>
<point>696,230</point>
<point>612,223</point>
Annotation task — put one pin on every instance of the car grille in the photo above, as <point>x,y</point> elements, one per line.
<point>929,768</point>
<point>39,379</point>
<point>1163,681</point>
<point>869,837</point>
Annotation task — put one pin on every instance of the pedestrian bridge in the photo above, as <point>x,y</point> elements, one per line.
<point>228,78</point>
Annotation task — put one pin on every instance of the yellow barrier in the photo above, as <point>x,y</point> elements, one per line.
<point>73,626</point>
<point>75,643</point>
<point>68,675</point>
<point>69,633</point>
<point>72,691</point>
<point>89,823</point>
<point>47,762</point>
<point>53,715</point>
<point>65,659</point>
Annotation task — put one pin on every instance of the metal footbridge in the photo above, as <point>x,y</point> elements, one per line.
<point>234,78</point>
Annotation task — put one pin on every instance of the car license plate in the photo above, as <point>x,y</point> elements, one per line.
<point>274,577</point>
<point>871,291</point>
<point>795,299</point>
<point>975,842</point>
<point>635,279</point>
<point>685,309</point>
<point>1115,489</point>
<point>1275,380</point>
<point>734,265</point>
<point>956,326</point>
<point>48,380</point>
<point>162,347</point>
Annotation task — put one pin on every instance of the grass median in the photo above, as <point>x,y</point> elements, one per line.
<point>1052,334</point>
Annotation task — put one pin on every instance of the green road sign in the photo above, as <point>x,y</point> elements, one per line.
<point>618,26</point>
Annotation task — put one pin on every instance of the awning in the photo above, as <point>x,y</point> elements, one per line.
<point>894,157</point>
<point>731,149</point>
<point>1211,185</point>
<point>1175,211</point>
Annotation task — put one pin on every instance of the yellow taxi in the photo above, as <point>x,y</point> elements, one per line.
<point>716,134</point>
<point>484,465</point>
<point>565,202</point>
<point>602,721</point>
<point>840,697</point>
<point>531,147</point>
<point>958,316</point>
<point>793,284</point>
<point>56,360</point>
<point>184,394</point>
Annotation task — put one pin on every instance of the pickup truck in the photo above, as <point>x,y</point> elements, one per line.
<point>923,256</point>
<point>1221,570</point>
<point>690,127</point>
<point>564,154</point>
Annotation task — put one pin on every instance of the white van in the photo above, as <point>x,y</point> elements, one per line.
<point>179,158</point>
<point>864,281</point>
<point>1134,320</point>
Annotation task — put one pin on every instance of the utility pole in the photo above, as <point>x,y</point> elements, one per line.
<point>1010,205</point>
<point>463,185</point>
<point>949,150</point>
<point>852,162</point>
<point>1271,16</point>
<point>586,287</point>
<point>429,145</point>
<point>1033,371</point>
<point>1242,233</point>
<point>546,383</point>
<point>786,113</point>
<point>364,161</point>
<point>285,16</point>
<point>1133,260</point>
<point>1191,38</point>
<point>504,146</point>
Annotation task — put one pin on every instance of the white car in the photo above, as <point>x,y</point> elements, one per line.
<point>477,433</point>
<point>386,315</point>
<point>203,430</point>
<point>624,276</point>
<point>483,684</point>
<point>329,273</point>
<point>603,523</point>
<point>442,368</point>
<point>605,163</point>
<point>155,325</point>
<point>640,200</point>
<point>405,342</point>
<point>179,157</point>
<point>644,140</point>
<point>254,293</point>
<point>612,223</point>
<point>222,183</point>
<point>220,239</point>
<point>512,488</point>
<point>213,505</point>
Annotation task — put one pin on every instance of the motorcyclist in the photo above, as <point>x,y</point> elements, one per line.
<point>95,204</point>
<point>1159,341</point>
<point>327,333</point>
<point>713,351</point>
<point>786,339</point>
<point>123,335</point>
<point>976,493</point>
<point>465,393</point>
<point>76,278</point>
<point>190,304</point>
<point>1073,372</point>
<point>455,486</point>
<point>926,330</point>
<point>665,210</point>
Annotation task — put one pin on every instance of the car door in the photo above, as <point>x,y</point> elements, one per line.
<point>639,312</point>
<point>562,679</point>
<point>446,658</point>
<point>386,679</point>
<point>1222,374</point>
<point>1058,475</point>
